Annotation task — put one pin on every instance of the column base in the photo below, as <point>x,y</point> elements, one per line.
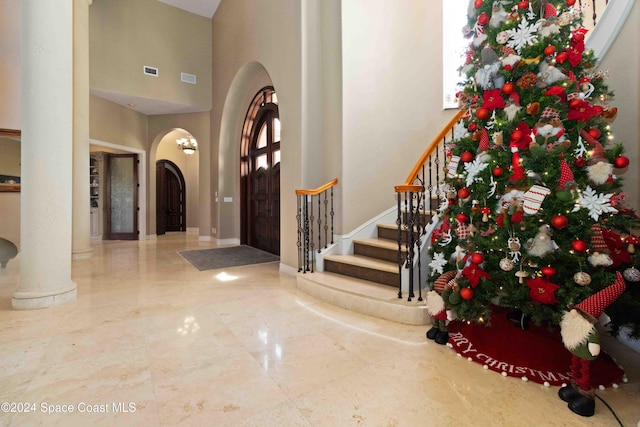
<point>32,300</point>
<point>82,254</point>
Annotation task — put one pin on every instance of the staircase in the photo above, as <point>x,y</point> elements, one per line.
<point>367,280</point>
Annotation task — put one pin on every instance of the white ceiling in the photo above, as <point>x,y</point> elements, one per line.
<point>151,106</point>
<point>199,7</point>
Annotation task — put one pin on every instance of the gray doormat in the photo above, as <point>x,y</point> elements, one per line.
<point>234,256</point>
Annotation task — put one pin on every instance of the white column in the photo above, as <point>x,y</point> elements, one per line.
<point>81,242</point>
<point>47,152</point>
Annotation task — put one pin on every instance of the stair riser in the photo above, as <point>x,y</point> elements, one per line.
<point>383,277</point>
<point>384,254</point>
<point>392,234</point>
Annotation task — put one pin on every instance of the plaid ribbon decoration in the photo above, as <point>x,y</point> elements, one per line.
<point>573,95</point>
<point>550,113</point>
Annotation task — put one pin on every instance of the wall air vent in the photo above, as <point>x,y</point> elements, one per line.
<point>150,71</point>
<point>188,78</point>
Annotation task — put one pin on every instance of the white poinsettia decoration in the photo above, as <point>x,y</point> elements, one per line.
<point>473,169</point>
<point>523,35</point>
<point>459,130</point>
<point>438,263</point>
<point>596,204</point>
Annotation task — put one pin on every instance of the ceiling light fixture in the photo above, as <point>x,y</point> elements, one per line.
<point>189,145</point>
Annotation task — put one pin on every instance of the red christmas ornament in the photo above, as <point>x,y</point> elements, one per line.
<point>523,5</point>
<point>559,221</point>
<point>462,218</point>
<point>472,127</point>
<point>463,193</point>
<point>579,245</point>
<point>562,57</point>
<point>497,171</point>
<point>482,113</point>
<point>548,271</point>
<point>594,132</point>
<point>477,258</point>
<point>621,162</point>
<point>466,293</point>
<point>466,157</point>
<point>516,135</point>
<point>571,2</point>
<point>549,50</point>
<point>508,88</point>
<point>575,103</point>
<point>483,19</point>
<point>477,4</point>
<point>579,162</point>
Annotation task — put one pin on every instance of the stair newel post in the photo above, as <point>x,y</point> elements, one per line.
<point>299,242</point>
<point>399,224</point>
<point>411,242</point>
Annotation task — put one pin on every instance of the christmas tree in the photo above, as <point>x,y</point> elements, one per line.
<point>533,215</point>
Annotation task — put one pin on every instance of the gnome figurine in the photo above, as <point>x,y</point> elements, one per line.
<point>437,309</point>
<point>581,338</point>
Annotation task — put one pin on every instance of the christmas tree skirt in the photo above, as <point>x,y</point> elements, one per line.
<point>536,353</point>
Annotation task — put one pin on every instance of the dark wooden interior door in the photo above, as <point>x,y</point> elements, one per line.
<point>264,182</point>
<point>170,198</point>
<point>122,197</point>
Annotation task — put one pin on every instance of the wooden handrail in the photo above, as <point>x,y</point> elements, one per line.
<point>318,190</point>
<point>408,188</point>
<point>431,148</point>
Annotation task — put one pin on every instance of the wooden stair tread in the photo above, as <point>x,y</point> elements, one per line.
<point>380,243</point>
<point>363,261</point>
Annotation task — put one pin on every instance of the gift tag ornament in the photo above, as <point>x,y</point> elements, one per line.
<point>583,279</point>
<point>506,264</point>
<point>632,274</point>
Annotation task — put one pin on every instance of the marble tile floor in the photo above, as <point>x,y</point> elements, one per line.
<point>152,341</point>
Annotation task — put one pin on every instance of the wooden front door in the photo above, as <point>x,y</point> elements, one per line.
<point>171,196</point>
<point>122,197</point>
<point>264,181</point>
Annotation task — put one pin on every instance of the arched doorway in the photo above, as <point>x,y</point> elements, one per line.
<point>171,198</point>
<point>260,173</point>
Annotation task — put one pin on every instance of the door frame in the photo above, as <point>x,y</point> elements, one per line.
<point>252,119</point>
<point>142,180</point>
<point>135,233</point>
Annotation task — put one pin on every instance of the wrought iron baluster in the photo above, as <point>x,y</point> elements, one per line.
<point>332,215</point>
<point>594,16</point>
<point>299,242</point>
<point>319,224</point>
<point>399,224</point>
<point>311,241</point>
<point>326,223</point>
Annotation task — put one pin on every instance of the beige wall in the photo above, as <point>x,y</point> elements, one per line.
<point>622,64</point>
<point>124,38</point>
<point>10,80</point>
<point>163,146</point>
<point>254,42</point>
<point>392,82</point>
<point>110,122</point>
